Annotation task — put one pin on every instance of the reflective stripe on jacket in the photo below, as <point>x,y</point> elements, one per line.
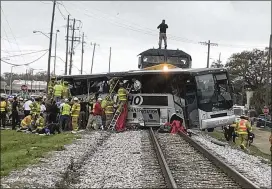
<point>66,108</point>
<point>3,106</point>
<point>35,107</point>
<point>65,92</point>
<point>57,90</point>
<point>39,123</point>
<point>122,94</point>
<point>75,110</point>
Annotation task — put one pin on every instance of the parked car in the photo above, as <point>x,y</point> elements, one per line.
<point>263,120</point>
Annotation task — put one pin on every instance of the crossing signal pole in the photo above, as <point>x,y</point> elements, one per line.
<point>209,44</point>
<point>82,51</point>
<point>93,56</point>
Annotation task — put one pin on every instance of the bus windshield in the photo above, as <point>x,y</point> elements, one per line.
<point>213,91</point>
<point>237,111</point>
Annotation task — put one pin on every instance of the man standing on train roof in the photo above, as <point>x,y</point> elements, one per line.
<point>162,35</point>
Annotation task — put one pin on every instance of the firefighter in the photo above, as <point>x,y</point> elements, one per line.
<point>242,129</point>
<point>65,115</point>
<point>91,104</point>
<point>97,113</point>
<point>51,85</point>
<point>122,96</point>
<point>26,122</point>
<point>3,112</point>
<point>112,84</point>
<point>39,125</point>
<point>57,91</point>
<point>75,114</point>
<point>108,108</point>
<point>35,107</point>
<point>65,90</point>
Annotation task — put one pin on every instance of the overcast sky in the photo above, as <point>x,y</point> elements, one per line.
<point>130,28</point>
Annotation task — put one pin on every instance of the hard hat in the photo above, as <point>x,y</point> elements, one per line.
<point>75,99</point>
<point>53,77</point>
<point>99,99</point>
<point>66,100</point>
<point>65,83</point>
<point>21,98</point>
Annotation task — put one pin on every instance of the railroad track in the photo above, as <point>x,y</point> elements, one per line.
<point>186,164</point>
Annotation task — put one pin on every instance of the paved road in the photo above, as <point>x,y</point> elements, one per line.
<point>261,139</point>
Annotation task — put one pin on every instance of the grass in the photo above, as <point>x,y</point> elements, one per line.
<point>20,149</point>
<point>253,150</point>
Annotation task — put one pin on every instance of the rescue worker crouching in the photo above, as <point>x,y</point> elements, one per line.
<point>39,125</point>
<point>3,112</point>
<point>65,115</point>
<point>75,114</point>
<point>242,129</point>
<point>26,123</point>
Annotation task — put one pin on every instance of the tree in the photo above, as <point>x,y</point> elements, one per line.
<point>249,67</point>
<point>217,64</point>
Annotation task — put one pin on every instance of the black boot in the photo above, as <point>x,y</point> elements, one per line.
<point>165,47</point>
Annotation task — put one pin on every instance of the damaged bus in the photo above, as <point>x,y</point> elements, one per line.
<point>201,97</point>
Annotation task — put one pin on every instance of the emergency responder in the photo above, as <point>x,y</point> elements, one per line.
<point>113,83</point>
<point>97,113</point>
<point>35,107</point>
<point>242,129</point>
<point>15,113</point>
<point>57,91</point>
<point>75,114</point>
<point>26,122</point>
<point>3,112</point>
<point>65,90</point>
<point>82,115</point>
<point>122,96</point>
<point>91,104</point>
<point>108,108</point>
<point>39,124</point>
<point>65,115</point>
<point>51,85</point>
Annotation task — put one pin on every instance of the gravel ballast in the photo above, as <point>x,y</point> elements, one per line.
<point>250,166</point>
<point>116,164</point>
<point>51,170</point>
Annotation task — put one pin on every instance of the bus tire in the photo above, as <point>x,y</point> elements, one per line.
<point>210,129</point>
<point>202,129</point>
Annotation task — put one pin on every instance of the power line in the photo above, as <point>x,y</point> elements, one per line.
<point>60,12</point>
<point>26,53</point>
<point>25,63</point>
<point>62,4</point>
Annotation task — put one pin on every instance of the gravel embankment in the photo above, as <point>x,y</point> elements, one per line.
<point>189,167</point>
<point>250,166</point>
<point>51,171</point>
<point>116,164</point>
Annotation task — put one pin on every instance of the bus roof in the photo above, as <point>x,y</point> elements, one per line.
<point>192,71</point>
<point>166,52</point>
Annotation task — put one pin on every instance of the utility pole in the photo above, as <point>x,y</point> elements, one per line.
<point>93,56</point>
<point>109,59</point>
<point>67,45</point>
<point>72,48</point>
<point>268,72</point>
<point>55,60</point>
<point>219,58</point>
<point>82,51</point>
<point>208,56</point>
<point>50,44</point>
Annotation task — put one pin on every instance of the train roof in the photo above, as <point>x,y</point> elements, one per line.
<point>166,52</point>
<point>192,71</point>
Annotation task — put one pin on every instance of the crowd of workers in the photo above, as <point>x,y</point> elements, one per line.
<point>60,112</point>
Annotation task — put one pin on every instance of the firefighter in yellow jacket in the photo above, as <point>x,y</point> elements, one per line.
<point>122,96</point>
<point>65,90</point>
<point>51,85</point>
<point>242,129</point>
<point>75,114</point>
<point>35,107</point>
<point>108,107</point>
<point>58,91</point>
<point>26,122</point>
<point>39,124</point>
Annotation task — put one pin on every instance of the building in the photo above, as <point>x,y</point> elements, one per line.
<point>32,86</point>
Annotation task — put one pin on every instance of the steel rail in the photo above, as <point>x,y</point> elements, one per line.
<point>238,177</point>
<point>171,183</point>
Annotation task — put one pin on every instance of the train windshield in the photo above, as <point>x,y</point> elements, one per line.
<point>213,92</point>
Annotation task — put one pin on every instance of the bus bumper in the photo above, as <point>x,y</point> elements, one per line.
<point>217,122</point>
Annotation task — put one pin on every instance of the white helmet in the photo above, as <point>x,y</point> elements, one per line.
<point>66,100</point>
<point>21,99</point>
<point>99,99</point>
<point>75,99</point>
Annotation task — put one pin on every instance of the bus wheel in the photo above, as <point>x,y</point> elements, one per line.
<point>202,129</point>
<point>210,129</point>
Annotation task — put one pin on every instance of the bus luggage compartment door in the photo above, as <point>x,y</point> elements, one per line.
<point>151,117</point>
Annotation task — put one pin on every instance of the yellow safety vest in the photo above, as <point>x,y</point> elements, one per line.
<point>26,121</point>
<point>35,107</point>
<point>3,106</point>
<point>242,127</point>
<point>122,94</point>
<point>109,109</point>
<point>75,110</point>
<point>66,109</point>
<point>58,90</point>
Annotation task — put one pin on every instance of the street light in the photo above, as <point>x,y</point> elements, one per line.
<point>41,33</point>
